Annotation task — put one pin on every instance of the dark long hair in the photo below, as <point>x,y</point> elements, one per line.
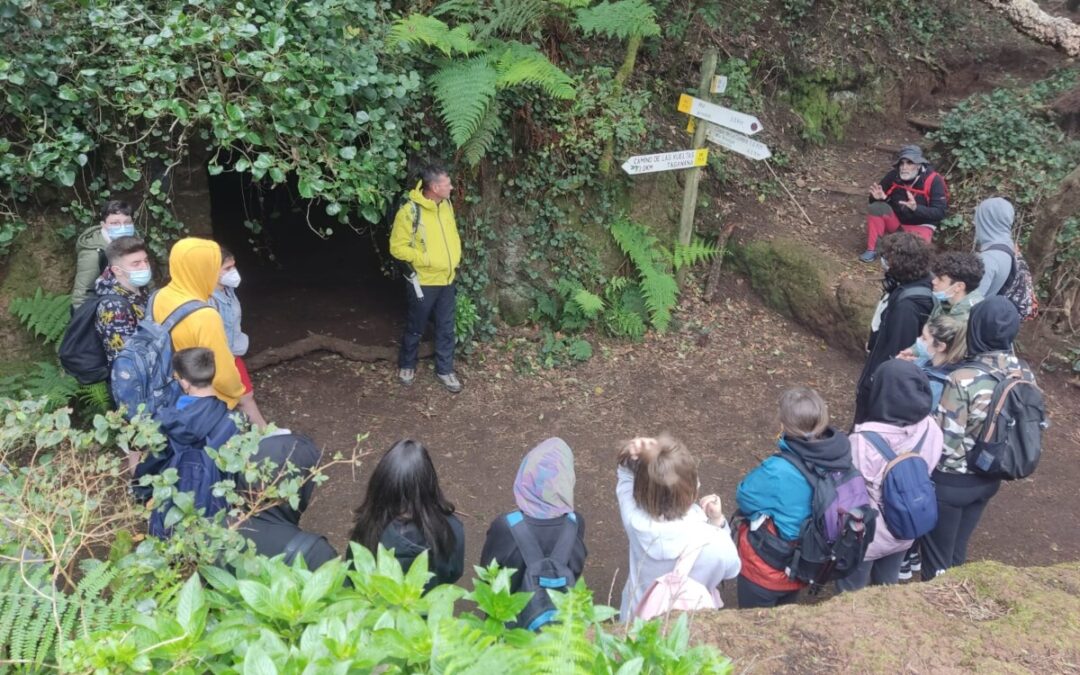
<point>404,485</point>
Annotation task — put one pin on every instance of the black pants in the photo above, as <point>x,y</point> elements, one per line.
<point>439,304</point>
<point>752,595</point>
<point>961,499</point>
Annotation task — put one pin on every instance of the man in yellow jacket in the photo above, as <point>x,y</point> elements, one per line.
<point>425,236</point>
<point>194,267</point>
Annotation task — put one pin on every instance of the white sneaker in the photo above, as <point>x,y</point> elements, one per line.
<point>406,376</point>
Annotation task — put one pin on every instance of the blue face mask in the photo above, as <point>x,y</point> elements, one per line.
<point>920,349</point>
<point>941,296</point>
<point>138,278</point>
<point>114,232</point>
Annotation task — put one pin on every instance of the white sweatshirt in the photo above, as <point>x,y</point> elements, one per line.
<point>655,545</point>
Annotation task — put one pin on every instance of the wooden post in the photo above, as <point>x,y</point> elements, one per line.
<point>693,176</point>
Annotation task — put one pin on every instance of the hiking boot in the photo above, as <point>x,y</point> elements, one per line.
<point>868,256</point>
<point>406,376</point>
<point>450,381</point>
<point>914,560</point>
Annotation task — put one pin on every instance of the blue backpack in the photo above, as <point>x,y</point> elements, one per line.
<point>142,371</point>
<point>908,498</point>
<point>196,473</point>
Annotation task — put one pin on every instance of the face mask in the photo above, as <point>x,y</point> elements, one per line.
<point>921,352</point>
<point>941,296</point>
<point>114,232</point>
<point>138,278</point>
<point>231,278</point>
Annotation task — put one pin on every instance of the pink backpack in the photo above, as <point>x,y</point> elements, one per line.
<point>676,590</point>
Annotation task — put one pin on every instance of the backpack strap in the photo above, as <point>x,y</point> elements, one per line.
<point>530,549</point>
<point>883,448</point>
<point>687,559</point>
<point>301,543</point>
<point>416,223</point>
<point>564,546</point>
<point>1004,248</point>
<point>179,314</point>
<point>914,292</point>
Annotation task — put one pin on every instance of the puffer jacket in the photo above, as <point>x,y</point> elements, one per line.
<point>89,264</point>
<point>435,250</point>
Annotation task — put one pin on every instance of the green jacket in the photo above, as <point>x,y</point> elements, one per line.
<point>960,310</point>
<point>964,407</point>
<point>435,250</point>
<point>89,254</point>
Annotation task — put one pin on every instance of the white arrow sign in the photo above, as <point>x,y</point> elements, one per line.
<point>718,114</point>
<point>719,84</point>
<point>747,147</point>
<point>666,161</point>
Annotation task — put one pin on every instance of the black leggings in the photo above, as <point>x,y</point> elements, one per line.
<point>961,500</point>
<point>752,595</point>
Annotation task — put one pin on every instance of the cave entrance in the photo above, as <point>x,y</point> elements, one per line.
<point>295,282</point>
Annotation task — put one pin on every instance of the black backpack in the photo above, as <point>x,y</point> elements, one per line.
<point>301,544</point>
<point>544,573</point>
<point>81,352</point>
<point>1010,443</point>
<point>833,540</point>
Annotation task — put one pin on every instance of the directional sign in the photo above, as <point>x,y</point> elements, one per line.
<point>666,161</point>
<point>719,84</point>
<point>747,147</point>
<point>718,114</point>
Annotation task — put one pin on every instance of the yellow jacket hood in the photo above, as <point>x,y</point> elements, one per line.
<point>194,266</point>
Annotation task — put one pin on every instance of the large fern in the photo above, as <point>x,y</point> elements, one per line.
<point>513,17</point>
<point>42,380</point>
<point>698,250</point>
<point>623,19</point>
<point>658,286</point>
<point>427,30</point>
<point>46,315</point>
<point>36,617</point>
<point>523,64</point>
<point>482,140</point>
<point>464,89</point>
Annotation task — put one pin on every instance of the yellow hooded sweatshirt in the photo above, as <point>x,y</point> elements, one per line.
<point>435,250</point>
<point>194,265</point>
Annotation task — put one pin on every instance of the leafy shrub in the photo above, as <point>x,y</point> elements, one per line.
<point>45,315</point>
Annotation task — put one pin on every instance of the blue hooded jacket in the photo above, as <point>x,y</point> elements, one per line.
<point>191,426</point>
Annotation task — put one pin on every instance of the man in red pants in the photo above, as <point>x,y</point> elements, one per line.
<point>912,197</point>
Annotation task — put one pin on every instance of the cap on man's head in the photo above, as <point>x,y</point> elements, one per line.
<point>912,153</point>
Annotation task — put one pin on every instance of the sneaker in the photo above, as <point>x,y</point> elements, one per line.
<point>450,381</point>
<point>406,376</point>
<point>905,571</point>
<point>914,561</point>
<point>868,256</point>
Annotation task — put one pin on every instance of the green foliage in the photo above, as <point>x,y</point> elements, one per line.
<point>1006,142</point>
<point>9,230</point>
<point>652,261</point>
<point>300,93</point>
<point>811,98</point>
<point>44,380</point>
<point>696,252</point>
<point>466,90</point>
<point>621,19</point>
<point>275,618</point>
<point>45,315</point>
<point>465,318</point>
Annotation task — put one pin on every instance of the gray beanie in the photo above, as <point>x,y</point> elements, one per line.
<point>912,153</point>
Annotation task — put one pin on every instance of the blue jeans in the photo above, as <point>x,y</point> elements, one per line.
<point>438,304</point>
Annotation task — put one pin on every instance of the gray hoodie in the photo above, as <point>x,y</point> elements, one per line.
<point>993,225</point>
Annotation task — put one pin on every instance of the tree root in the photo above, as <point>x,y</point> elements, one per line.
<point>315,342</point>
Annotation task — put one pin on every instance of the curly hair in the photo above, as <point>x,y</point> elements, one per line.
<point>907,256</point>
<point>959,266</point>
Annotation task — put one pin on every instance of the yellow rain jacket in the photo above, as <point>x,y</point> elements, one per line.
<point>194,265</point>
<point>435,250</point>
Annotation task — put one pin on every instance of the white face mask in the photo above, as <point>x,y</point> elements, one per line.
<point>231,278</point>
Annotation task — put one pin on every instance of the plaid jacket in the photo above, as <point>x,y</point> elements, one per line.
<point>964,404</point>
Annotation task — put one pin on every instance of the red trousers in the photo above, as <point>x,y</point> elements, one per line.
<point>877,226</point>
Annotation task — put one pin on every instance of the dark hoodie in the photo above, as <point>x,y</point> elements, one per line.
<point>993,326</point>
<point>407,541</point>
<point>192,425</point>
<point>900,324</point>
<point>931,197</point>
<point>899,394</point>
<point>272,529</point>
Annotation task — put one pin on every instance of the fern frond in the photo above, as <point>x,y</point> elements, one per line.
<point>95,398</point>
<point>427,30</point>
<point>524,64</point>
<point>658,286</point>
<point>466,10</point>
<point>564,646</point>
<point>590,304</point>
<point>513,17</point>
<point>698,250</point>
<point>464,89</point>
<point>46,315</point>
<point>483,138</point>
<point>623,19</point>
<point>623,322</point>
<point>48,381</point>
<point>661,292</point>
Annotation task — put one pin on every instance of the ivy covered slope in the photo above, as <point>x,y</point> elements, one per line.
<point>103,97</point>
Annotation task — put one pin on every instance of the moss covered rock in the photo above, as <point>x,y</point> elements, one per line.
<point>803,284</point>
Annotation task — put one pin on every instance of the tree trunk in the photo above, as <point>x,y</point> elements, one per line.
<point>315,342</point>
<point>1049,219</point>
<point>621,77</point>
<point>1027,17</point>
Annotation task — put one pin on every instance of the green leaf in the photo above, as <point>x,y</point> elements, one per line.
<point>348,152</point>
<point>66,177</point>
<point>189,603</point>
<point>622,19</point>
<point>631,667</point>
<point>258,662</point>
